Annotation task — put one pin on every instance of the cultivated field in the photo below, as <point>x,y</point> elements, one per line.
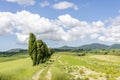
<point>62,66</point>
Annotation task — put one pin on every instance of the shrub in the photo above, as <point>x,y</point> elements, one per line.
<point>105,53</point>
<point>81,54</point>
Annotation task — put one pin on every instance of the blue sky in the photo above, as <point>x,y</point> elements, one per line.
<point>59,22</point>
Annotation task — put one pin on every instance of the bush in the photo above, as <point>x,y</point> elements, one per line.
<point>105,53</point>
<point>81,54</point>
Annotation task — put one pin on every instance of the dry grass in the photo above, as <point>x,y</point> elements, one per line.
<point>109,58</point>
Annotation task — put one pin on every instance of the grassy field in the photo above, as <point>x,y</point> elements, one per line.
<point>14,57</point>
<point>61,66</point>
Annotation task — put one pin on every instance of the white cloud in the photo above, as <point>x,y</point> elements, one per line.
<point>44,4</point>
<point>102,38</point>
<point>80,29</point>
<point>22,38</point>
<point>65,5</point>
<point>112,32</point>
<point>94,36</point>
<point>67,21</point>
<point>24,22</point>
<point>6,24</point>
<point>64,28</point>
<point>41,26</point>
<point>22,2</point>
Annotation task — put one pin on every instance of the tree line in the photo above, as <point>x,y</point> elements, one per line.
<point>38,50</point>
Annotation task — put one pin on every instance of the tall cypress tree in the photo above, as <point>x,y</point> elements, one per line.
<point>39,52</point>
<point>45,52</point>
<point>42,52</point>
<point>32,48</point>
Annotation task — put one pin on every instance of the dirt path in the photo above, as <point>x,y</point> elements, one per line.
<point>48,76</point>
<point>37,75</point>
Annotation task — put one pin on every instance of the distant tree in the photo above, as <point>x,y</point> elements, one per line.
<point>113,51</point>
<point>103,49</point>
<point>81,54</point>
<point>105,53</point>
<point>96,52</point>
<point>32,48</point>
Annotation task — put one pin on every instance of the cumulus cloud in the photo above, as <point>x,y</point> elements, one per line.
<point>22,2</point>
<point>22,38</point>
<point>65,5</point>
<point>24,22</point>
<point>112,32</point>
<point>94,35</point>
<point>63,28</point>
<point>42,27</point>
<point>6,24</point>
<point>44,4</point>
<point>67,21</point>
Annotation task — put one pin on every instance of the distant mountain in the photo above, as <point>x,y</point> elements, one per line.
<point>115,46</point>
<point>66,47</point>
<point>94,46</point>
<point>15,50</point>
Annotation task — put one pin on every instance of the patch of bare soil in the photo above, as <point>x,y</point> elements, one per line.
<point>48,76</point>
<point>81,72</point>
<point>37,75</point>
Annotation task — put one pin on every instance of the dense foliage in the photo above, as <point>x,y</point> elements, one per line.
<point>38,50</point>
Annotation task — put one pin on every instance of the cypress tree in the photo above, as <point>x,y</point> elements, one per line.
<point>32,48</point>
<point>39,52</point>
<point>42,51</point>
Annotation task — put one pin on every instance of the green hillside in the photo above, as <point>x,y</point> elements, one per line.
<point>115,46</point>
<point>94,46</point>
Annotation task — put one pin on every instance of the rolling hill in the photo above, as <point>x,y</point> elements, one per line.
<point>115,46</point>
<point>13,52</point>
<point>92,46</point>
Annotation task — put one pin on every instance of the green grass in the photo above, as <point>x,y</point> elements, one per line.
<point>109,51</point>
<point>57,69</point>
<point>14,57</point>
<point>109,68</point>
<point>19,67</point>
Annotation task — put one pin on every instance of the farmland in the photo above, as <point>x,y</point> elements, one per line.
<point>62,66</point>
